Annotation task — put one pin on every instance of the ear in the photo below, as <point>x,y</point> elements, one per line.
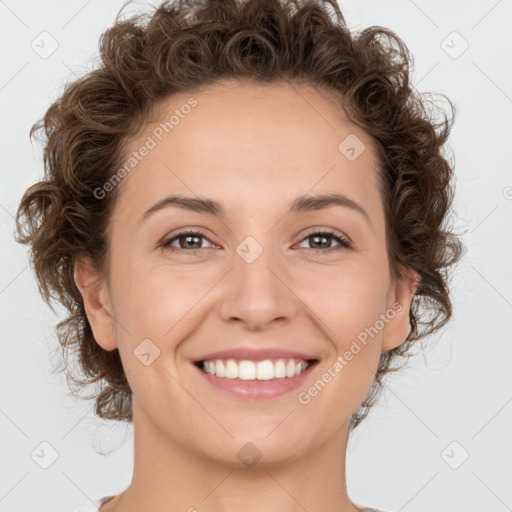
<point>95,294</point>
<point>400,297</point>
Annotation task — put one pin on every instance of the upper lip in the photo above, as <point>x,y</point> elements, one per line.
<point>254,354</point>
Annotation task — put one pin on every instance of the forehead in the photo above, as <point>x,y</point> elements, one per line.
<point>243,143</point>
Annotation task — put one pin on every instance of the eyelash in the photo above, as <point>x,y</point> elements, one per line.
<point>344,243</point>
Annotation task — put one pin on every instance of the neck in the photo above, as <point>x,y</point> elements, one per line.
<point>168,476</point>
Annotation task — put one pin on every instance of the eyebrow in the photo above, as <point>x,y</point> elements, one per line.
<point>299,205</point>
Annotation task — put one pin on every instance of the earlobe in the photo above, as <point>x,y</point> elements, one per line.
<point>94,291</point>
<point>401,296</point>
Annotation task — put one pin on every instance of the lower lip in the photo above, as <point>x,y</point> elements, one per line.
<point>257,389</point>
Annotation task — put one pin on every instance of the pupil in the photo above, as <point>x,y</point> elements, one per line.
<point>323,237</point>
<point>187,237</point>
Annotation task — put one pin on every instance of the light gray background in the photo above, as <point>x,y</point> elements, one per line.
<point>459,390</point>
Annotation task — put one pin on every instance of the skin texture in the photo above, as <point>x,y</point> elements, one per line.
<point>253,148</point>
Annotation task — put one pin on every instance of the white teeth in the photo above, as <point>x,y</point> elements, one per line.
<point>220,369</point>
<point>231,369</point>
<point>290,368</point>
<point>279,369</point>
<point>255,370</point>
<point>264,370</point>
<point>252,370</point>
<point>246,370</point>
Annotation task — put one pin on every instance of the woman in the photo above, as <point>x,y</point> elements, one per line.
<point>243,210</point>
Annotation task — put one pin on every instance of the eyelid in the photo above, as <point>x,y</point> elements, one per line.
<point>184,231</point>
<point>330,231</point>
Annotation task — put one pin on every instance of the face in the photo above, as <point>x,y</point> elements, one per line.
<point>256,274</point>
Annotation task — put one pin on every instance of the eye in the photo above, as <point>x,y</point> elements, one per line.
<point>186,239</point>
<point>318,238</point>
<point>190,241</point>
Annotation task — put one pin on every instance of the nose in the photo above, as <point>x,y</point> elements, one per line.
<point>256,293</point>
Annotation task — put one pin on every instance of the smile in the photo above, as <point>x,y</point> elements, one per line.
<point>267,369</point>
<point>255,380</point>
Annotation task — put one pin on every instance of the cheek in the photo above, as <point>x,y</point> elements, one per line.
<point>347,299</point>
<point>158,302</point>
<point>350,313</point>
<point>349,302</point>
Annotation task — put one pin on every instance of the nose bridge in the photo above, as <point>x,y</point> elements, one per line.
<point>256,264</point>
<point>257,291</point>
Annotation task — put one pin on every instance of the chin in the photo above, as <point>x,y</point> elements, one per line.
<point>257,451</point>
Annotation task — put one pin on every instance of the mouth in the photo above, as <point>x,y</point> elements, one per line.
<point>256,380</point>
<point>267,369</point>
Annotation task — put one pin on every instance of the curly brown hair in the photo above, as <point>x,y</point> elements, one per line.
<point>187,45</point>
